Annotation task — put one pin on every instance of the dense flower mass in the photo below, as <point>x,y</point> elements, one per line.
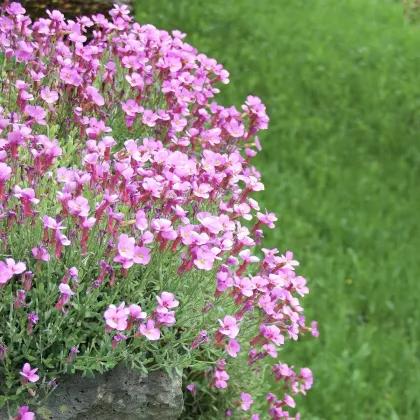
<point>127,223</point>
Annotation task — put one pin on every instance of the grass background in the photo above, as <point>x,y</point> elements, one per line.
<point>341,165</point>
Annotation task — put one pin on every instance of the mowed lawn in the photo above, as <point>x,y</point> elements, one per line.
<point>341,165</point>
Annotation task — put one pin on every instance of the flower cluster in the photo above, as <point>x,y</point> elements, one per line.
<point>121,177</point>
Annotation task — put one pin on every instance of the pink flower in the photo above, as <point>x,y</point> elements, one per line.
<point>28,373</point>
<point>272,333</point>
<point>49,96</point>
<point>25,414</point>
<point>229,326</point>
<point>192,388</point>
<point>270,349</point>
<point>136,312</point>
<point>79,206</point>
<point>5,172</point>
<point>126,246</point>
<point>233,348</point>
<point>247,257</point>
<point>5,273</point>
<point>37,113</point>
<point>116,318</point>
<point>202,190</point>
<point>149,118</point>
<point>10,268</point>
<point>178,123</point>
<point>235,129</point>
<point>95,96</point>
<point>15,9</point>
<point>149,330</point>
<point>289,401</point>
<point>166,300</point>
<point>70,76</point>
<point>288,260</point>
<point>141,220</point>
<point>221,378</point>
<point>246,401</point>
<point>204,260</point>
<point>167,318</point>
<point>131,108</point>
<point>141,255</point>
<point>314,329</point>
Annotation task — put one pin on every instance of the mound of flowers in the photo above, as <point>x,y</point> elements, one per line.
<point>128,231</point>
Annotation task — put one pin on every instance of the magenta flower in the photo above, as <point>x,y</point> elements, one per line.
<point>149,330</point>
<point>229,326</point>
<point>141,255</point>
<point>15,267</point>
<point>149,118</point>
<point>25,414</point>
<point>233,348</point>
<point>94,95</point>
<point>126,246</point>
<point>246,401</point>
<point>5,172</point>
<point>49,96</point>
<point>117,318</point>
<point>136,312</point>
<point>29,374</point>
<point>5,273</point>
<point>70,76</point>
<point>192,388</point>
<point>15,9</point>
<point>37,113</point>
<point>289,401</point>
<point>166,300</point>
<point>271,350</point>
<point>221,377</point>
<point>79,206</point>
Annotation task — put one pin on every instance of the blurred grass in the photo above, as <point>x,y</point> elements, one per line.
<point>341,165</point>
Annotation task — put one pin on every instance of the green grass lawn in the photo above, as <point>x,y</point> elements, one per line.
<point>341,165</point>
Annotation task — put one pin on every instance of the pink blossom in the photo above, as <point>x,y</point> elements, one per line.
<point>246,401</point>
<point>126,246</point>
<point>271,350</point>
<point>5,172</point>
<point>49,96</point>
<point>25,414</point>
<point>233,348</point>
<point>136,312</point>
<point>70,76</point>
<point>141,255</point>
<point>95,96</point>
<point>149,118</point>
<point>28,373</point>
<point>117,318</point>
<point>149,330</point>
<point>79,206</point>
<point>229,326</point>
<point>166,300</point>
<point>11,267</point>
<point>221,378</point>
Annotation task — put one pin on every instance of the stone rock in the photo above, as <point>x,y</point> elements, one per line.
<point>120,394</point>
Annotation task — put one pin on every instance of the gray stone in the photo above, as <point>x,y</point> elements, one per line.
<point>120,394</point>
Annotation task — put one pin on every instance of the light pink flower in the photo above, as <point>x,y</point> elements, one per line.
<point>28,373</point>
<point>246,401</point>
<point>233,348</point>
<point>116,318</point>
<point>229,326</point>
<point>141,255</point>
<point>149,330</point>
<point>166,300</point>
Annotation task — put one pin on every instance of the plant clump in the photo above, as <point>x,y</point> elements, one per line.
<point>128,231</point>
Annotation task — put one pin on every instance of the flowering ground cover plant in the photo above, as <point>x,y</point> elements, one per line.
<point>127,227</point>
